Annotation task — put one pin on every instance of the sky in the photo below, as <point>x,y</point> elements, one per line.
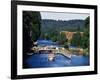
<point>63,16</point>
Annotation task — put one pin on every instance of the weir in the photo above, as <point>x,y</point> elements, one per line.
<point>55,51</point>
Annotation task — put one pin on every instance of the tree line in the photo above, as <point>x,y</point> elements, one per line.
<point>82,40</point>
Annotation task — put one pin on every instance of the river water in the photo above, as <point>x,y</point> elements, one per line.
<point>41,60</point>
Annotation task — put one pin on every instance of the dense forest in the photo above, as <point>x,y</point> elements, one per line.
<point>60,25</point>
<point>50,29</point>
<point>31,28</point>
<point>83,41</point>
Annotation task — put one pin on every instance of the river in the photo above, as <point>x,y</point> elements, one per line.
<point>41,60</point>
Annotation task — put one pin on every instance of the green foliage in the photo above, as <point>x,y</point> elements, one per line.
<point>51,34</point>
<point>60,25</point>
<point>82,40</point>
<point>54,36</point>
<point>31,29</point>
<point>87,22</point>
<point>62,38</point>
<point>76,40</point>
<point>85,39</point>
<point>32,22</point>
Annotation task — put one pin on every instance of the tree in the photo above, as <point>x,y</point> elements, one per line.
<point>62,38</point>
<point>31,28</point>
<point>82,40</point>
<point>87,22</point>
<point>52,34</point>
<point>85,39</point>
<point>76,40</point>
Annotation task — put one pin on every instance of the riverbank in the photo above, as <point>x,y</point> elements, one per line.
<point>79,51</point>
